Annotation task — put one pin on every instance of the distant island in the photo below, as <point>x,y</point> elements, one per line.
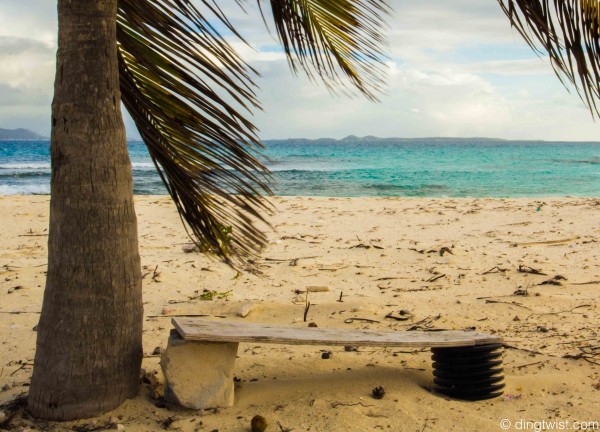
<point>19,134</point>
<point>377,140</point>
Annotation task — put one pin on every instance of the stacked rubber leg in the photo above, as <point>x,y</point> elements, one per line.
<point>468,373</point>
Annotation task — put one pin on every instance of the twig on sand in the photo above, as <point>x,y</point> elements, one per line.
<point>508,303</point>
<point>529,364</point>
<point>595,282</point>
<point>587,353</point>
<point>425,324</point>
<point>19,312</point>
<point>337,404</point>
<point>434,278</point>
<point>186,316</point>
<point>368,320</point>
<point>306,307</point>
<point>495,269</point>
<point>507,346</point>
<point>526,269</point>
<point>559,312</point>
<point>547,242</point>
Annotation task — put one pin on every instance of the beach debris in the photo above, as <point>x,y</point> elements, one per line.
<point>547,242</point>
<point>15,288</point>
<point>367,320</point>
<point>401,315</point>
<point>512,303</point>
<point>595,282</point>
<point>168,422</point>
<point>167,310</point>
<point>326,355</point>
<point>521,292</point>
<point>349,348</point>
<point>435,277</point>
<point>444,250</point>
<point>530,270</point>
<point>247,307</point>
<point>496,269</point>
<point>313,289</point>
<point>378,392</point>
<point>556,280</point>
<point>283,428</point>
<point>341,295</point>
<point>190,248</point>
<point>208,295</point>
<point>590,354</point>
<point>306,307</point>
<point>258,423</point>
<point>366,246</point>
<point>425,324</point>
<point>508,396</point>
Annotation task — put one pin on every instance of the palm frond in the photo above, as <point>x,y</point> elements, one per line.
<point>569,31</point>
<point>189,94</point>
<point>335,38</point>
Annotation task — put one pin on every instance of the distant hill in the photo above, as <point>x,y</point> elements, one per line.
<point>370,139</point>
<point>18,134</point>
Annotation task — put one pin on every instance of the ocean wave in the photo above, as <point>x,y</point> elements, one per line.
<point>592,161</point>
<point>142,165</point>
<point>25,166</point>
<point>25,189</point>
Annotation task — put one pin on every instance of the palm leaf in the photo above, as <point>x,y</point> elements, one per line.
<point>189,95</point>
<point>333,39</point>
<point>569,31</point>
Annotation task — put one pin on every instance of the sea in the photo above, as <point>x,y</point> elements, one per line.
<point>367,167</point>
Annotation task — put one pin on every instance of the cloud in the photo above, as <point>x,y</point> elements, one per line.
<point>455,68</point>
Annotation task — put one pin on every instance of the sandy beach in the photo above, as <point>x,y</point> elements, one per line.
<point>379,255</point>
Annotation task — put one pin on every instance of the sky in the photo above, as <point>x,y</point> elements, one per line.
<point>455,68</point>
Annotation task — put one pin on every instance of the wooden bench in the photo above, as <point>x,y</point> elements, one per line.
<point>199,359</point>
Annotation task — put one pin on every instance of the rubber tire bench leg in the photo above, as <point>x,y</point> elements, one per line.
<point>468,373</point>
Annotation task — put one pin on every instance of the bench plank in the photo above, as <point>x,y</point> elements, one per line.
<point>199,329</point>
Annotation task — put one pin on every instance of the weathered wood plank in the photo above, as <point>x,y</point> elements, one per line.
<point>199,329</point>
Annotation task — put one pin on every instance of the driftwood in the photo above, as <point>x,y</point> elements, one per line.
<point>526,269</point>
<point>547,242</point>
<point>495,269</point>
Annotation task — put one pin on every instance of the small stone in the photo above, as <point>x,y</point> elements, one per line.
<point>120,427</point>
<point>378,392</point>
<point>312,324</point>
<point>258,423</point>
<point>190,247</point>
<point>157,351</point>
<point>516,318</point>
<point>2,417</point>
<point>326,355</point>
<point>349,348</point>
<point>167,310</point>
<point>246,308</point>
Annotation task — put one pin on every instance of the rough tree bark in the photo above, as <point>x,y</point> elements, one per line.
<point>89,347</point>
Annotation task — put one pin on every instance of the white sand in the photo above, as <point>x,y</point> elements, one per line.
<point>293,385</point>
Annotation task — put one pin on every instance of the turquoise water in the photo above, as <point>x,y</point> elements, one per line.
<point>371,167</point>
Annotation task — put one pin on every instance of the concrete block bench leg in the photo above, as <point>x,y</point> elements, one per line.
<point>198,375</point>
<point>468,373</point>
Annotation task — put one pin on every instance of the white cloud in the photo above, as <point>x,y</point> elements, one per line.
<point>456,68</point>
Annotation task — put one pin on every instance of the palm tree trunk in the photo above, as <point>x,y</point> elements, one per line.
<point>89,347</point>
